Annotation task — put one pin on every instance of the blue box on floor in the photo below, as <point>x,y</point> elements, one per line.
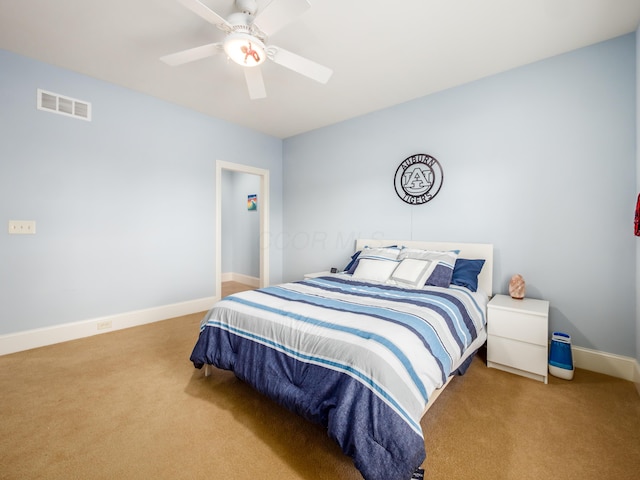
<point>560,357</point>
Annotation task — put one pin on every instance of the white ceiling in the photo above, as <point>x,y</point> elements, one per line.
<point>382,52</point>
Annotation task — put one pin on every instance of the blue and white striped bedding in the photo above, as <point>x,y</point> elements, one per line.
<point>360,358</point>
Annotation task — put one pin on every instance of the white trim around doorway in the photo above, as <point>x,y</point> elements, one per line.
<point>263,211</point>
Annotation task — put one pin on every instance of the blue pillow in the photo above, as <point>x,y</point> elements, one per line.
<point>351,267</point>
<point>465,273</point>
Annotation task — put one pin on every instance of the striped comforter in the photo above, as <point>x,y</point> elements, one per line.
<point>360,358</point>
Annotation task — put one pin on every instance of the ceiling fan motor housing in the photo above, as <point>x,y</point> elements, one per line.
<point>247,6</point>
<point>244,44</point>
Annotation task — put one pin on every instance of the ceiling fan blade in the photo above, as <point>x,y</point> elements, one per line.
<point>205,12</point>
<point>255,84</point>
<point>192,54</point>
<point>299,64</point>
<point>279,13</point>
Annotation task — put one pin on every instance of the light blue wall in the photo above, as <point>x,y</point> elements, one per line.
<point>124,204</point>
<point>240,226</point>
<point>638,190</point>
<point>540,161</point>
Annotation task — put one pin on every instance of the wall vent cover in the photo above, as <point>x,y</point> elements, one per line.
<point>71,107</point>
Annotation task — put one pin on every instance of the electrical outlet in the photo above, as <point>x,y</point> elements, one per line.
<point>104,325</point>
<point>22,227</point>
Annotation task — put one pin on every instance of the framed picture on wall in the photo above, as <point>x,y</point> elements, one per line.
<point>252,202</point>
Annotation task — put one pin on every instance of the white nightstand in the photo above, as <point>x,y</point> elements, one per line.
<point>518,336</point>
<point>317,274</point>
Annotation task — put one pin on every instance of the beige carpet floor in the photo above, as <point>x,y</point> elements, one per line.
<point>129,405</point>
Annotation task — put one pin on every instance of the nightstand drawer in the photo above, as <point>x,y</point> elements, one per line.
<point>518,326</point>
<point>524,356</point>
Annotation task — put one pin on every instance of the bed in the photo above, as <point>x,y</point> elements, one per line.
<point>363,352</point>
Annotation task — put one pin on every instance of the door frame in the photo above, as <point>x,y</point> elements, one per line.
<point>263,211</point>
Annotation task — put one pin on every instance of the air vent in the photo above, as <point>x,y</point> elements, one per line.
<point>71,107</point>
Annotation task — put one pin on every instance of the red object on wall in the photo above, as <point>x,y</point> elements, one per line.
<point>636,222</point>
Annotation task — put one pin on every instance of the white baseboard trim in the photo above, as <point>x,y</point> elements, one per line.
<point>618,366</point>
<point>239,277</point>
<point>40,337</point>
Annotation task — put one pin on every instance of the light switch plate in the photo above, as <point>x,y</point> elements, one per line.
<point>22,227</point>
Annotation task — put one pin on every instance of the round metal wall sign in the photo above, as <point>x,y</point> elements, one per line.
<point>418,179</point>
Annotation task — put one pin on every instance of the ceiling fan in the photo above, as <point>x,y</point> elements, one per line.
<point>246,43</point>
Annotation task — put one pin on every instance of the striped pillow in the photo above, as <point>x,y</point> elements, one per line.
<point>376,253</point>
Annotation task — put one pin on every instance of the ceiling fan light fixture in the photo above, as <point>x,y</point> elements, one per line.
<point>244,49</point>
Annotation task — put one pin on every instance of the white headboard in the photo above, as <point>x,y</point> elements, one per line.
<point>467,250</point>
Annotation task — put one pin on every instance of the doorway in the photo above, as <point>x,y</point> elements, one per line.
<point>263,213</point>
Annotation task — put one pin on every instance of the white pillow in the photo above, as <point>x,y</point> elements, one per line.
<point>413,272</point>
<point>444,263</point>
<point>376,270</point>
